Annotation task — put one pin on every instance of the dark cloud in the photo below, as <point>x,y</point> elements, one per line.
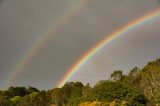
<point>22,22</point>
<point>1,1</point>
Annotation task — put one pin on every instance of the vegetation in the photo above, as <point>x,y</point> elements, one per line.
<point>141,87</point>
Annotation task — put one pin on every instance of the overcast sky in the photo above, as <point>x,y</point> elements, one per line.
<point>22,22</point>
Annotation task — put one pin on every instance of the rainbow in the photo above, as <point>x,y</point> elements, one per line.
<point>135,23</point>
<point>37,45</point>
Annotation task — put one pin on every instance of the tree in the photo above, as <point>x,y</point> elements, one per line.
<point>15,100</point>
<point>116,75</point>
<point>25,101</point>
<point>76,94</point>
<point>32,89</point>
<point>150,79</point>
<point>86,90</point>
<point>134,72</point>
<point>108,91</point>
<point>4,101</point>
<point>18,91</point>
<point>133,79</point>
<point>56,95</point>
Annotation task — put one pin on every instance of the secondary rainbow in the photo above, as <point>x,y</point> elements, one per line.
<point>105,41</point>
<point>41,41</point>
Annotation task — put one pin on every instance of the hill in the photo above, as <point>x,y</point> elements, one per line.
<point>141,87</point>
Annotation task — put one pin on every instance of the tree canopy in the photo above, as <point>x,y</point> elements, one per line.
<point>140,87</point>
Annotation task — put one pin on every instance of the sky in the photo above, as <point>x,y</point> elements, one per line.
<point>79,26</point>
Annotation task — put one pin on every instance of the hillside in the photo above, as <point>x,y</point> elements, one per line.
<point>141,87</point>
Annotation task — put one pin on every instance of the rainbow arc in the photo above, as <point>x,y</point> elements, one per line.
<point>27,57</point>
<point>135,23</point>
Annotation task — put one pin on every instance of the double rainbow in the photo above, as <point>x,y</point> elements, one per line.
<point>41,41</point>
<point>19,67</point>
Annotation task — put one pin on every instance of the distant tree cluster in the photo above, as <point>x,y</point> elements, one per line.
<point>141,87</point>
<point>20,96</point>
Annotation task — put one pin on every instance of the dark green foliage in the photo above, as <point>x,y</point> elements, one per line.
<point>67,94</point>
<point>137,99</point>
<point>17,91</point>
<point>56,95</point>
<point>137,88</point>
<point>108,91</point>
<point>4,101</point>
<point>36,99</point>
<point>20,96</point>
<point>116,75</point>
<point>32,89</point>
<point>150,81</point>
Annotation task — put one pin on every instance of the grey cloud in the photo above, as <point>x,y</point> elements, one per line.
<point>22,22</point>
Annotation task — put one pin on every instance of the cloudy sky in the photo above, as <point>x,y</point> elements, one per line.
<point>79,26</point>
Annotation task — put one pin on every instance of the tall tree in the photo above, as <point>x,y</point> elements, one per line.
<point>150,82</point>
<point>116,75</point>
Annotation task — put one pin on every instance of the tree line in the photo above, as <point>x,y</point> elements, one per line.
<point>141,87</point>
